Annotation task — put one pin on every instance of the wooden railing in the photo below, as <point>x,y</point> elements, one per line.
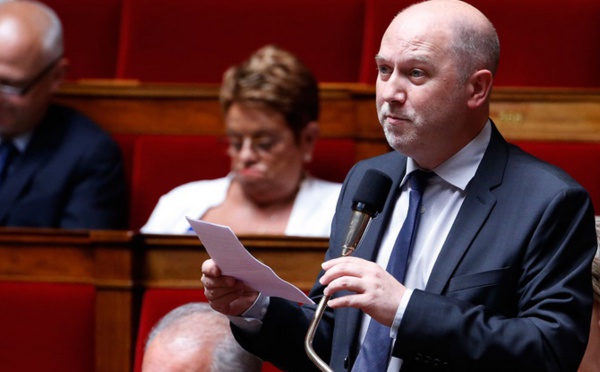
<point>347,111</point>
<point>122,264</point>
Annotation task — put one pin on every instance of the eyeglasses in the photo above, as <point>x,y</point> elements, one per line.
<point>262,144</point>
<point>24,89</point>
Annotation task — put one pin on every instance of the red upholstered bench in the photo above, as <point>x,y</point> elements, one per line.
<point>91,32</point>
<point>578,159</point>
<point>545,43</point>
<point>197,40</point>
<point>47,327</point>
<point>156,304</point>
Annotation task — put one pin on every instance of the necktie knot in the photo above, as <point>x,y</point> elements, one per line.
<point>418,179</point>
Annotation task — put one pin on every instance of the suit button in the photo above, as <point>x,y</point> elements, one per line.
<point>346,362</point>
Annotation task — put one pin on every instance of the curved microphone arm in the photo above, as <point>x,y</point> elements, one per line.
<point>367,203</point>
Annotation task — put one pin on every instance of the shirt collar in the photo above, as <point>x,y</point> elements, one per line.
<point>21,141</point>
<point>462,166</point>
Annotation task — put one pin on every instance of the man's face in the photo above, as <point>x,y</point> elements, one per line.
<point>28,84</point>
<point>421,100</point>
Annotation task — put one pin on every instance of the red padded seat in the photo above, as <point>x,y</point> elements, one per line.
<point>162,162</point>
<point>197,40</point>
<point>47,327</point>
<point>579,159</point>
<point>91,32</point>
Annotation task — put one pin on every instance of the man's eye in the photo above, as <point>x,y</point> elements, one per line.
<point>11,84</point>
<point>417,73</point>
<point>384,69</point>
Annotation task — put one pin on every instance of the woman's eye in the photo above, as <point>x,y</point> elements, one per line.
<point>265,144</point>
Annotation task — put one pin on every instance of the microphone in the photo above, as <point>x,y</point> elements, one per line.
<point>367,203</point>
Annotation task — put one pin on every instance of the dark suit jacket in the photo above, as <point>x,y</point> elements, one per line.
<point>510,290</point>
<point>70,176</point>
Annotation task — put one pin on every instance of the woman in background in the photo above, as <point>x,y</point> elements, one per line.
<point>271,107</point>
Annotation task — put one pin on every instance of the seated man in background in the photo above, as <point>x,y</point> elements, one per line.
<point>194,337</point>
<point>58,169</point>
<point>271,108</point>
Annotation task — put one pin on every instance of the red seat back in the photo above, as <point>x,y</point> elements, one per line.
<point>162,162</point>
<point>578,159</point>
<point>197,40</point>
<point>91,32</point>
<point>47,327</point>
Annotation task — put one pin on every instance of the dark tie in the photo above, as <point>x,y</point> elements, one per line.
<point>8,152</point>
<point>375,350</point>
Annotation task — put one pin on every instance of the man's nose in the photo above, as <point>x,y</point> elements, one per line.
<point>394,89</point>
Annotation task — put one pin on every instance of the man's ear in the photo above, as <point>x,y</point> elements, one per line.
<point>59,74</point>
<point>308,139</point>
<point>480,88</point>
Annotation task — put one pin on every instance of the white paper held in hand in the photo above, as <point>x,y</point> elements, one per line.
<point>234,260</point>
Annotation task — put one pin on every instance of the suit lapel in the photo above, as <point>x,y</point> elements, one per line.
<point>476,207</point>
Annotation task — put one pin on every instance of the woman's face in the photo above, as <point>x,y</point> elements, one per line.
<point>266,158</point>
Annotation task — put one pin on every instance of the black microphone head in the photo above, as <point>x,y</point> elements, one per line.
<point>372,192</point>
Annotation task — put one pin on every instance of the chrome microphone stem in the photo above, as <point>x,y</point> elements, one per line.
<point>310,335</point>
<point>357,227</point>
<point>358,224</point>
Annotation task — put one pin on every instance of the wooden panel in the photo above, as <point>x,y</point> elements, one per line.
<point>102,258</point>
<point>130,107</point>
<point>176,261</point>
<point>121,264</point>
<point>348,110</point>
<point>558,115</point>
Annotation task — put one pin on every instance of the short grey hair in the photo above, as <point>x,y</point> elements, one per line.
<point>228,355</point>
<point>476,50</point>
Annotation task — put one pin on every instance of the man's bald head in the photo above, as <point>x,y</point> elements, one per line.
<point>473,38</point>
<point>32,28</point>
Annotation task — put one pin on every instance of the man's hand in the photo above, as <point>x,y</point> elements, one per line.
<point>378,293</point>
<point>226,294</point>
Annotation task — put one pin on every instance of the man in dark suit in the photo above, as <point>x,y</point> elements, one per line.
<point>57,168</point>
<point>498,276</point>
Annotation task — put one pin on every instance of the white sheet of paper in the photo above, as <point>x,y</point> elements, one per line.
<point>234,260</point>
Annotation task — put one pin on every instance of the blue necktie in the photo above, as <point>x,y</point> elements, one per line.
<point>8,152</point>
<point>375,350</point>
